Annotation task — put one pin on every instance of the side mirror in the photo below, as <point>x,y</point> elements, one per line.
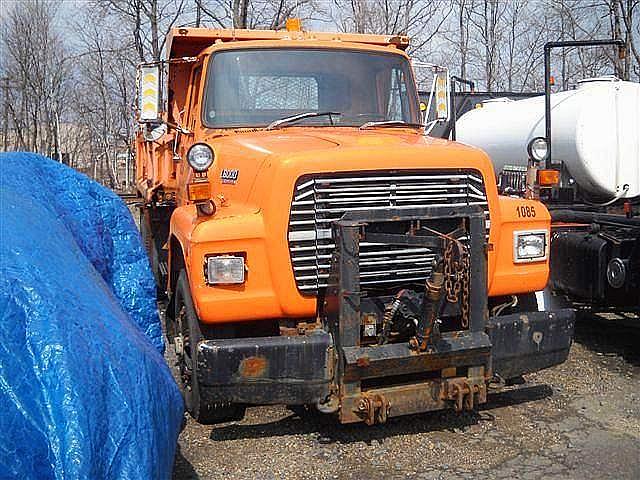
<point>149,92</point>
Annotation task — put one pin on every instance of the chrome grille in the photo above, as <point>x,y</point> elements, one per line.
<point>319,200</point>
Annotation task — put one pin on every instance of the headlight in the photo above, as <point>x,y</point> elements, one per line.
<point>530,246</point>
<point>538,148</point>
<point>616,273</point>
<point>225,269</point>
<point>200,157</point>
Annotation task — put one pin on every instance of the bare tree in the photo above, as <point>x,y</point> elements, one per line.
<point>623,14</point>
<point>254,13</point>
<point>35,75</point>
<point>422,20</point>
<point>579,19</point>
<point>148,20</point>
<point>487,17</point>
<point>463,33</point>
<point>104,96</point>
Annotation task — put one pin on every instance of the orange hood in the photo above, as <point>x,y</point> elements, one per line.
<point>303,150</point>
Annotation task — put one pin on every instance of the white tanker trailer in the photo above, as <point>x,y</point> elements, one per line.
<point>595,135</point>
<point>595,146</point>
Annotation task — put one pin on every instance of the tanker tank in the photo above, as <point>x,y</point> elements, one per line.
<point>595,133</point>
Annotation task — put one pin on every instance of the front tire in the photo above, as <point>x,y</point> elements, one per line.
<point>188,335</point>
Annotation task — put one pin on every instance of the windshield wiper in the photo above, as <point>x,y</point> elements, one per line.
<point>390,124</point>
<point>301,116</point>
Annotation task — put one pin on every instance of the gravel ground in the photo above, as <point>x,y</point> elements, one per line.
<point>578,420</point>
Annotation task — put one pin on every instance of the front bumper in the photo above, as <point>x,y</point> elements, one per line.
<point>300,369</point>
<point>267,370</point>
<point>528,342</point>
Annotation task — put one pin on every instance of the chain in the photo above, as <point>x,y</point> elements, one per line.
<point>449,272</point>
<point>456,271</point>
<point>456,274</point>
<point>465,288</point>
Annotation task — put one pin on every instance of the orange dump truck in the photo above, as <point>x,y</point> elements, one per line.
<point>316,247</point>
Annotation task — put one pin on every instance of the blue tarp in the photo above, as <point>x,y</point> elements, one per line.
<point>84,390</point>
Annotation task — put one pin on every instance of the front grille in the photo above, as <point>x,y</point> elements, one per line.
<point>512,180</point>
<point>319,200</point>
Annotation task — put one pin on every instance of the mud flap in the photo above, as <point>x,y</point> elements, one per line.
<point>527,342</point>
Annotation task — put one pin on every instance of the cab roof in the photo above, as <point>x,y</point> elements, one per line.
<point>186,42</point>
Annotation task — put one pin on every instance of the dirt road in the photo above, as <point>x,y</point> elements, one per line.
<point>579,420</point>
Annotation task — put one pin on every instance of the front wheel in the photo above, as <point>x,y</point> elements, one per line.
<point>188,335</point>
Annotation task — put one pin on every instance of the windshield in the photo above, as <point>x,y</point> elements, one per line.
<point>252,88</point>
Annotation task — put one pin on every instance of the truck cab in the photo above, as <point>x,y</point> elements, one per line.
<point>316,247</point>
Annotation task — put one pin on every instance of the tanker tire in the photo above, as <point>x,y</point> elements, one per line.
<point>194,394</point>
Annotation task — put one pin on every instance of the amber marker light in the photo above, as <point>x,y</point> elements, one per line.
<point>548,178</point>
<point>199,191</point>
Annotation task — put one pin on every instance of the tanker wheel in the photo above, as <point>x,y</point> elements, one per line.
<point>188,334</point>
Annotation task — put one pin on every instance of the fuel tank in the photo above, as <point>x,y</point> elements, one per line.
<point>595,132</point>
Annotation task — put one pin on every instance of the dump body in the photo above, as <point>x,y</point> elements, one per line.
<point>299,133</point>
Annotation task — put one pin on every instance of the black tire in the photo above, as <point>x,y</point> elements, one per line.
<point>152,251</point>
<point>201,408</point>
<point>145,230</point>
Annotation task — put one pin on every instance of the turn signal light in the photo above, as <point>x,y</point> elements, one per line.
<point>548,178</point>
<point>199,191</point>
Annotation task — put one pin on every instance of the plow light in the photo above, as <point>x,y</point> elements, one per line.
<point>200,157</point>
<point>538,149</point>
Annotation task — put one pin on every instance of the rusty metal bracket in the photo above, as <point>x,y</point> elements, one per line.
<point>427,333</point>
<point>374,409</point>
<point>464,392</point>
